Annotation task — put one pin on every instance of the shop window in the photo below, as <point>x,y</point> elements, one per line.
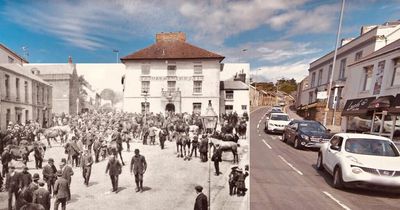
<point>359,124</point>
<point>396,72</point>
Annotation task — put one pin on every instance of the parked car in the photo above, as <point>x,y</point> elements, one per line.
<point>361,160</point>
<point>276,122</point>
<point>305,133</point>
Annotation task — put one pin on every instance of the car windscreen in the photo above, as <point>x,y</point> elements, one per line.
<point>311,127</point>
<point>279,117</point>
<point>371,147</point>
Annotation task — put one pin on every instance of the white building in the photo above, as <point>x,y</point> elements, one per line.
<point>234,97</point>
<point>171,75</point>
<point>9,56</point>
<point>374,93</point>
<point>371,39</point>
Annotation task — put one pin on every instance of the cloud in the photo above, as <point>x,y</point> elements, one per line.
<point>297,70</point>
<point>91,26</point>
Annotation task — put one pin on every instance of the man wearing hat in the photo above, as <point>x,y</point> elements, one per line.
<point>138,167</point>
<point>27,193</point>
<point>217,157</point>
<point>86,163</point>
<point>49,174</point>
<point>41,196</point>
<point>114,169</point>
<point>240,184</point>
<point>201,202</point>
<point>203,148</point>
<point>13,186</point>
<point>233,177</point>
<point>61,191</point>
<point>26,177</point>
<point>67,173</point>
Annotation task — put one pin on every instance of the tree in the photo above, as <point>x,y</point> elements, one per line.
<point>108,94</point>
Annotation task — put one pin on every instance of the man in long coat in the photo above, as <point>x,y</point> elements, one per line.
<point>114,169</point>
<point>138,167</point>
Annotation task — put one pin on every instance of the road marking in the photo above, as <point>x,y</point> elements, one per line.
<point>267,144</point>
<point>336,200</point>
<point>258,109</point>
<point>290,165</point>
<point>258,126</point>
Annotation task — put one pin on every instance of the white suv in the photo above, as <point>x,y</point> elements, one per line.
<point>361,160</point>
<point>276,122</point>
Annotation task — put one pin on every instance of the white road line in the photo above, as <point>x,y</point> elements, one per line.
<point>336,200</point>
<point>258,126</point>
<point>267,144</point>
<point>290,165</point>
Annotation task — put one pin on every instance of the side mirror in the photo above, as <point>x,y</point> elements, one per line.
<point>335,147</point>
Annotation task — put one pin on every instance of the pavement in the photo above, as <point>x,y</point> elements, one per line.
<point>168,182</point>
<point>285,178</point>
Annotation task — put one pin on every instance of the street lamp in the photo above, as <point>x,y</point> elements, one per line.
<point>145,94</point>
<point>210,119</point>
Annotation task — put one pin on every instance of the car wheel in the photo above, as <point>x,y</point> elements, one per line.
<point>337,178</point>
<point>284,137</point>
<point>320,166</point>
<point>297,143</point>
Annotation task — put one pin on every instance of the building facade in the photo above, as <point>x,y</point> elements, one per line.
<point>371,39</point>
<point>64,79</point>
<point>373,96</point>
<point>24,97</point>
<point>171,75</point>
<point>234,97</point>
<point>9,56</point>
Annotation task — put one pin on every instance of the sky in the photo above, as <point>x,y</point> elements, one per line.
<point>279,38</point>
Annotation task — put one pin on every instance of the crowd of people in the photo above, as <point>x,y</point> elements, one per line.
<point>90,136</point>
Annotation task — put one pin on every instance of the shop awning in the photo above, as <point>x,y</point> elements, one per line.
<point>383,102</point>
<point>395,108</point>
<point>357,106</point>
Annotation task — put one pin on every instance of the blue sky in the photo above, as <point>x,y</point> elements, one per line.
<point>281,36</point>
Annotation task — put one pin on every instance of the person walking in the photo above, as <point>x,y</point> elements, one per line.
<point>116,136</point>
<point>49,174</point>
<point>13,186</point>
<point>87,162</point>
<point>5,159</point>
<point>163,137</point>
<point>96,148</point>
<point>114,169</point>
<point>41,196</point>
<point>152,134</point>
<point>201,202</point>
<point>203,149</point>
<point>61,190</point>
<point>216,158</point>
<point>138,167</point>
<point>195,145</point>
<point>67,174</point>
<point>38,155</point>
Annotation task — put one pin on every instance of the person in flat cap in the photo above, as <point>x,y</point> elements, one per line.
<point>49,174</point>
<point>27,192</point>
<point>67,173</point>
<point>203,148</point>
<point>61,191</point>
<point>41,196</point>
<point>13,186</point>
<point>216,158</point>
<point>233,177</point>
<point>201,202</point>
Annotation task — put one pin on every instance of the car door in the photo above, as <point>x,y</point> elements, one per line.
<point>331,154</point>
<point>292,131</point>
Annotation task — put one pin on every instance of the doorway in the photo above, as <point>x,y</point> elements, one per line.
<point>170,107</point>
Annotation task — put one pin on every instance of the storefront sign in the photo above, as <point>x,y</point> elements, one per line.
<point>322,95</point>
<point>357,106</point>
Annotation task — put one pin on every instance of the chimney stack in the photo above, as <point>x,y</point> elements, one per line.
<point>171,36</point>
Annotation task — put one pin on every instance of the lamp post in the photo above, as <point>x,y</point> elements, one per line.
<point>145,94</point>
<point>210,119</point>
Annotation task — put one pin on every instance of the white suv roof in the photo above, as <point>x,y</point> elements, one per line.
<point>279,113</point>
<point>364,136</point>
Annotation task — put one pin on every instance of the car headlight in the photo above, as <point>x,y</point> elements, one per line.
<point>305,137</point>
<point>356,170</point>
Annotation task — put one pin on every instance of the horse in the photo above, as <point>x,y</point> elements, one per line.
<point>182,140</point>
<point>21,152</point>
<point>226,146</point>
<point>49,134</point>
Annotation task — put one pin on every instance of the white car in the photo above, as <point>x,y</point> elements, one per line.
<point>276,122</point>
<point>361,160</point>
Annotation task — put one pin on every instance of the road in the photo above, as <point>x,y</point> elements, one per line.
<point>285,178</point>
<point>168,183</point>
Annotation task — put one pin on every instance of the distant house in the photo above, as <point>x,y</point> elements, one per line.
<point>64,79</point>
<point>234,97</point>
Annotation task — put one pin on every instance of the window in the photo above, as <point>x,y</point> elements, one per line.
<point>313,79</point>
<point>197,86</point>
<point>171,85</point>
<point>244,107</point>
<point>145,107</point>
<point>26,91</point>
<point>358,56</point>
<point>229,94</point>
<point>396,72</point>
<point>42,95</point>
<point>37,94</point>
<point>198,69</point>
<point>145,86</point>
<point>145,69</point>
<point>10,59</point>
<point>329,73</point>
<point>367,77</point>
<point>228,108</point>
<point>310,97</point>
<point>319,77</point>
<point>8,116</point>
<point>197,108</point>
<point>17,88</point>
<point>7,83</point>
<point>26,115</point>
<point>342,69</point>
<point>171,70</point>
